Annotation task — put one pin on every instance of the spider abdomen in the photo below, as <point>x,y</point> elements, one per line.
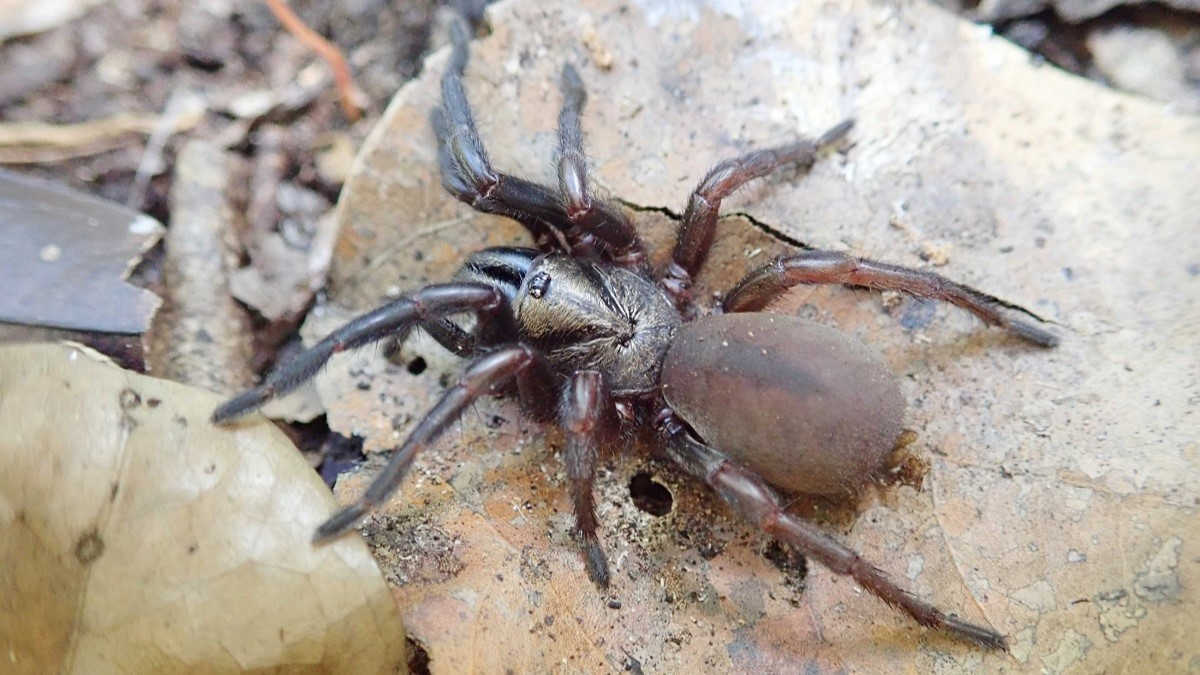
<point>808,408</point>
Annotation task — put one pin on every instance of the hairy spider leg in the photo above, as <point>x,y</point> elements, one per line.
<point>755,501</point>
<point>397,316</point>
<point>501,267</point>
<point>572,221</point>
<point>766,283</point>
<point>699,225</point>
<point>483,375</point>
<point>591,219</point>
<point>587,415</point>
<point>468,175</point>
<point>538,390</point>
<point>449,335</point>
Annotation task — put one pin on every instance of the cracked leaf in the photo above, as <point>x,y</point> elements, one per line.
<point>1054,476</point>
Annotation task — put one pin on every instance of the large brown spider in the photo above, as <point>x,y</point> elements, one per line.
<point>599,344</point>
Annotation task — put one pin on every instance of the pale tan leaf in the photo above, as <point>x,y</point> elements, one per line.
<point>137,537</point>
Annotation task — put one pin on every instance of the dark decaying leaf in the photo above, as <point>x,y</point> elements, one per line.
<point>65,255</point>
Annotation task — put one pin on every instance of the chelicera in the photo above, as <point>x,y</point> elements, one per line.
<point>598,343</point>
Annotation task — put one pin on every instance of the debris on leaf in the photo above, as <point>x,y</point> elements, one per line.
<point>1019,170</point>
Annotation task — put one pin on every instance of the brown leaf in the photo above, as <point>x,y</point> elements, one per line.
<point>137,537</point>
<point>1059,507</point>
<point>202,336</point>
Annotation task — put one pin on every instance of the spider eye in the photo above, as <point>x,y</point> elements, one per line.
<point>538,284</point>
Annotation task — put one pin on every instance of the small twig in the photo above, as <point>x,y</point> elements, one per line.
<point>32,142</point>
<point>72,135</point>
<point>52,154</point>
<point>352,98</point>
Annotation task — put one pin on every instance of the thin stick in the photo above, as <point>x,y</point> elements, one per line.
<point>351,97</point>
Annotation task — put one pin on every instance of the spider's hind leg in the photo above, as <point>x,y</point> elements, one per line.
<point>766,283</point>
<point>699,225</point>
<point>755,501</point>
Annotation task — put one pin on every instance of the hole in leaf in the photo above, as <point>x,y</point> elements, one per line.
<point>649,495</point>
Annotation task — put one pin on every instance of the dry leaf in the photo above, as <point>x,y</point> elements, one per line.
<point>1060,501</point>
<point>202,336</point>
<point>64,257</point>
<point>137,537</point>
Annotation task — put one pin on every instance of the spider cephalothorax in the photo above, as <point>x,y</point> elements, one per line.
<point>598,343</point>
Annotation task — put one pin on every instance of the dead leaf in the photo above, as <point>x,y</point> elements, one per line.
<point>202,336</point>
<point>1145,61</point>
<point>284,275</point>
<point>1058,479</point>
<point>64,257</point>
<point>137,537</point>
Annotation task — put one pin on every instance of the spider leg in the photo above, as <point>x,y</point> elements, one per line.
<point>449,335</point>
<point>700,219</point>
<point>395,317</point>
<point>591,219</point>
<point>471,179</point>
<point>501,267</point>
<point>445,332</point>
<point>538,389</point>
<point>754,500</point>
<point>468,175</point>
<point>584,404</point>
<point>481,377</point>
<point>761,286</point>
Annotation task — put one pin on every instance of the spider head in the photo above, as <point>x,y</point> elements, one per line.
<point>587,316</point>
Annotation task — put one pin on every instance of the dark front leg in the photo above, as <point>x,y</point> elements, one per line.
<point>585,403</point>
<point>594,222</point>
<point>451,337</point>
<point>700,219</point>
<point>750,496</point>
<point>480,378</point>
<point>539,390</point>
<point>761,286</point>
<point>468,175</point>
<point>395,317</point>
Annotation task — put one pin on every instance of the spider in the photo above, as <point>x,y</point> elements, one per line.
<point>598,343</point>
